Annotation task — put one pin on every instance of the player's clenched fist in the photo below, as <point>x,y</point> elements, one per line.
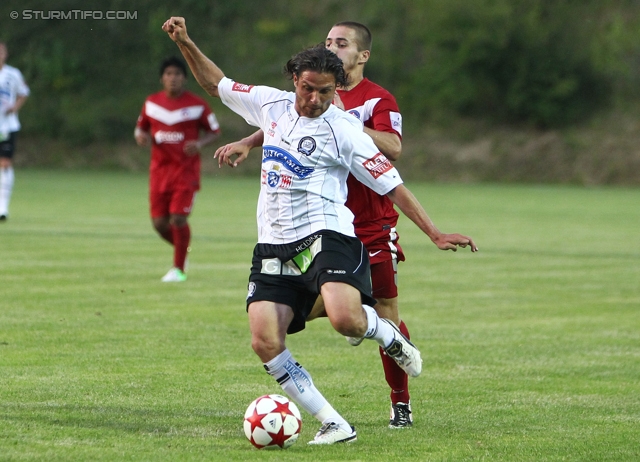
<point>176,28</point>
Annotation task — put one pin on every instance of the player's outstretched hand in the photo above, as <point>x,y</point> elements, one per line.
<point>453,241</point>
<point>225,153</point>
<point>176,27</point>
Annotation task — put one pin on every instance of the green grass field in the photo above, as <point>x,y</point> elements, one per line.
<point>531,347</point>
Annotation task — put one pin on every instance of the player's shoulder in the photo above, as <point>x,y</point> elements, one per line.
<point>342,125</point>
<point>157,97</point>
<point>373,89</point>
<point>190,96</point>
<point>10,68</point>
<point>340,118</point>
<point>11,71</point>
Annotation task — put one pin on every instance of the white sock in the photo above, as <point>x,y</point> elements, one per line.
<point>381,332</point>
<point>6,186</point>
<point>296,382</point>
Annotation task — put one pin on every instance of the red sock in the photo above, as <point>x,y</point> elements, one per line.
<point>397,379</point>
<point>181,238</point>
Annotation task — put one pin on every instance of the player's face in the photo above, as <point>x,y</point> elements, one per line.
<point>173,80</point>
<point>342,41</point>
<point>314,92</point>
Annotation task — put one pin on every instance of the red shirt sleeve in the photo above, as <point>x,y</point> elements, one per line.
<point>386,116</point>
<point>209,121</point>
<point>143,122</point>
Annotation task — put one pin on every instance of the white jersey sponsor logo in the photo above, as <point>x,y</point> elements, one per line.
<point>378,165</point>
<point>241,87</point>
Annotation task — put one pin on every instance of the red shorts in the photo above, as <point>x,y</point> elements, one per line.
<point>384,279</point>
<point>177,202</point>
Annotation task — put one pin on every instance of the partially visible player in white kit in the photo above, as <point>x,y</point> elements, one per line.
<point>13,94</point>
<point>375,217</point>
<point>306,240</point>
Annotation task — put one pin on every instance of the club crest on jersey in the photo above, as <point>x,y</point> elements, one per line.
<point>354,113</point>
<point>378,165</point>
<point>284,158</point>
<point>275,179</point>
<point>307,145</point>
<point>241,87</point>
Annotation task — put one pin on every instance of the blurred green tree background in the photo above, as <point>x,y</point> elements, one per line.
<point>534,65</point>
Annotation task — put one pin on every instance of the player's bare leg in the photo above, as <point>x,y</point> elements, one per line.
<point>352,319</point>
<point>268,322</point>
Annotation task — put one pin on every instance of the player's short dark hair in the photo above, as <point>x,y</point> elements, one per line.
<point>317,59</point>
<point>363,34</point>
<point>175,62</point>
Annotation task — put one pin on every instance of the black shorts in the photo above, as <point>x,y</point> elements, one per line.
<point>292,274</point>
<point>8,146</point>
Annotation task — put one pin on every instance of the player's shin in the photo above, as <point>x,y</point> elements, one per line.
<point>296,382</point>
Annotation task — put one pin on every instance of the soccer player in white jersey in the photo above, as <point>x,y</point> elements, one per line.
<point>306,240</point>
<point>13,94</point>
<point>375,218</point>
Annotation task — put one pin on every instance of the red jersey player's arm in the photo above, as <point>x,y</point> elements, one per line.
<point>412,209</point>
<point>143,138</point>
<point>193,146</point>
<point>388,143</point>
<point>238,148</point>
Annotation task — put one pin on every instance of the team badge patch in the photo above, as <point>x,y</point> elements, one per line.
<point>241,87</point>
<point>355,113</point>
<point>307,145</point>
<point>378,165</point>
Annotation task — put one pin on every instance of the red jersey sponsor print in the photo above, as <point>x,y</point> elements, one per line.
<point>172,122</point>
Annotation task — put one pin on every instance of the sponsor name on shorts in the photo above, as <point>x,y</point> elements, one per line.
<point>166,137</point>
<point>307,242</point>
<point>378,165</point>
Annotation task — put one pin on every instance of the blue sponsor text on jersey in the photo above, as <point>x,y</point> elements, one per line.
<point>292,164</point>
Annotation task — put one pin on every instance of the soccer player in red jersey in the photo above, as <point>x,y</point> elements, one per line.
<point>177,124</point>
<point>375,217</point>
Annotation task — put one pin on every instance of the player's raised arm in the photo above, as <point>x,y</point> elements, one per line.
<point>413,210</point>
<point>204,70</point>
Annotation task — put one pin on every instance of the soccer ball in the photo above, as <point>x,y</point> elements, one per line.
<point>272,421</point>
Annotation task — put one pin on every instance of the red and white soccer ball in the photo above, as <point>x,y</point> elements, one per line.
<point>272,421</point>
